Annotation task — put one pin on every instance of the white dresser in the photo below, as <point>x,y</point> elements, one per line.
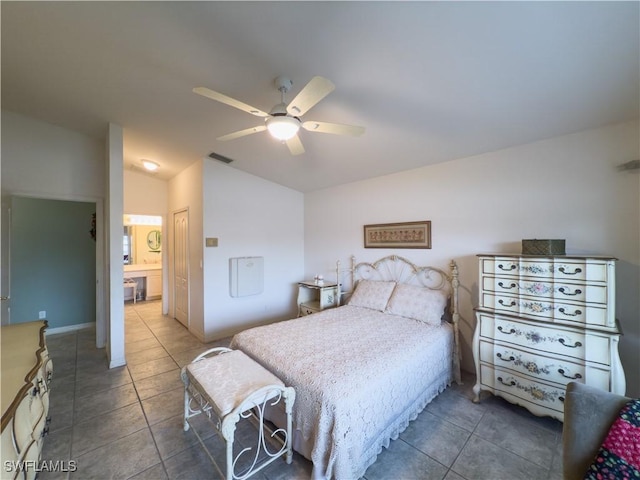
<point>26,378</point>
<point>543,322</point>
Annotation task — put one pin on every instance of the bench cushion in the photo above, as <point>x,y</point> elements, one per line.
<point>229,378</point>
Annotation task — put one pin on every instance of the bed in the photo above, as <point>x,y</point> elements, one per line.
<point>364,370</point>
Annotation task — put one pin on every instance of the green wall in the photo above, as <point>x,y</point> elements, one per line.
<point>53,261</point>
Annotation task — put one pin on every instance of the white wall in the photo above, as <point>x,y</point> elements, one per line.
<point>145,195</point>
<point>565,187</point>
<point>47,161</point>
<point>185,192</point>
<point>115,267</point>
<point>250,217</point>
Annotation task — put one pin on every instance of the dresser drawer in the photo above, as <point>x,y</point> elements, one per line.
<point>560,291</point>
<point>558,268</point>
<point>550,368</point>
<point>525,362</point>
<point>574,343</point>
<point>548,309</point>
<point>8,449</point>
<point>525,391</point>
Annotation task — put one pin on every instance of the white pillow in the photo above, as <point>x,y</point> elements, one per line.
<point>372,294</point>
<point>419,303</point>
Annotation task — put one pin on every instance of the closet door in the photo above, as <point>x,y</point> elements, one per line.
<point>181,266</point>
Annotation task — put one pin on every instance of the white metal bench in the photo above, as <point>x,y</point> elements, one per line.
<point>226,386</point>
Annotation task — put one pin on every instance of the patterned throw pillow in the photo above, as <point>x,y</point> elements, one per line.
<point>372,294</point>
<point>419,303</point>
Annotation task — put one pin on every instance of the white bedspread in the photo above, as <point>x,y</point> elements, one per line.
<point>360,376</point>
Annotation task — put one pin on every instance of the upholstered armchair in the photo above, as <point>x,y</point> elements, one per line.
<point>588,414</point>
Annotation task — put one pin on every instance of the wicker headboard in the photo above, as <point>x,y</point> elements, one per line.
<point>400,270</point>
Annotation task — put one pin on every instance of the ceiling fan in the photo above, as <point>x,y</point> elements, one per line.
<point>283,121</point>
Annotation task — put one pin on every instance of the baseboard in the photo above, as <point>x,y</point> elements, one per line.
<point>69,328</point>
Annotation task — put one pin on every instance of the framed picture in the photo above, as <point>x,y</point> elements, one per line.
<point>398,235</point>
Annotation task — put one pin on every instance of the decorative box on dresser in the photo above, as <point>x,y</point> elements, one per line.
<point>543,322</point>
<point>26,377</point>
<point>315,296</point>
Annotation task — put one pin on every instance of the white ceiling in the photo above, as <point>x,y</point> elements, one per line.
<point>430,81</point>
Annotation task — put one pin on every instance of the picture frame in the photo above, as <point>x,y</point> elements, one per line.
<point>398,235</point>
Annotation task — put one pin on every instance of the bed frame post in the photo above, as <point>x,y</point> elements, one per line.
<point>455,318</point>
<point>353,272</point>
<point>339,290</point>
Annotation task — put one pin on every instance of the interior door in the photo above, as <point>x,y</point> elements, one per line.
<point>181,266</point>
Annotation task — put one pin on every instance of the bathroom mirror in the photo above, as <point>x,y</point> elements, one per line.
<point>142,239</point>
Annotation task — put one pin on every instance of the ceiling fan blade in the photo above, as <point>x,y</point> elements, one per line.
<point>295,145</point>
<point>242,133</point>
<point>312,93</point>
<point>219,97</point>
<point>335,128</point>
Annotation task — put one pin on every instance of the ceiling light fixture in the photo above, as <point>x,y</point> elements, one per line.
<point>149,165</point>
<point>283,127</point>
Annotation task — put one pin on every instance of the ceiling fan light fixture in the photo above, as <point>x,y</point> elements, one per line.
<point>149,165</point>
<point>283,127</point>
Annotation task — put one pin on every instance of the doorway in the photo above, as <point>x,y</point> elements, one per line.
<point>50,262</point>
<point>143,257</point>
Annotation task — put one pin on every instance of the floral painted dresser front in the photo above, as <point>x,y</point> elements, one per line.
<point>543,322</point>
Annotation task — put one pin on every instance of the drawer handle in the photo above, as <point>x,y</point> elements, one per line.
<point>35,391</point>
<point>575,272</point>
<point>577,292</point>
<point>561,399</point>
<point>511,267</point>
<point>45,432</point>
<point>513,330</point>
<point>577,344</point>
<point>575,377</point>
<point>513,285</point>
<point>574,314</point>
<point>512,304</point>
<point>512,383</point>
<point>510,359</point>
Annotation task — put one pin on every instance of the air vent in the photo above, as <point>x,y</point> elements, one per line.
<point>222,158</point>
<point>633,165</point>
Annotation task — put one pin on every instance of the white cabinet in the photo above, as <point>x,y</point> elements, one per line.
<point>316,296</point>
<point>154,284</point>
<point>148,279</point>
<point>543,322</point>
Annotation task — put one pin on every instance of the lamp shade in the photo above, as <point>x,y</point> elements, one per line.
<point>283,127</point>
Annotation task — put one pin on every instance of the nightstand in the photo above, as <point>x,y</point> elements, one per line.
<point>314,297</point>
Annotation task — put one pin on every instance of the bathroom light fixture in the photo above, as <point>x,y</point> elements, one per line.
<point>283,127</point>
<point>149,165</point>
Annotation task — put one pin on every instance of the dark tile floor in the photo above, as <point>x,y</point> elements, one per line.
<point>127,422</point>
